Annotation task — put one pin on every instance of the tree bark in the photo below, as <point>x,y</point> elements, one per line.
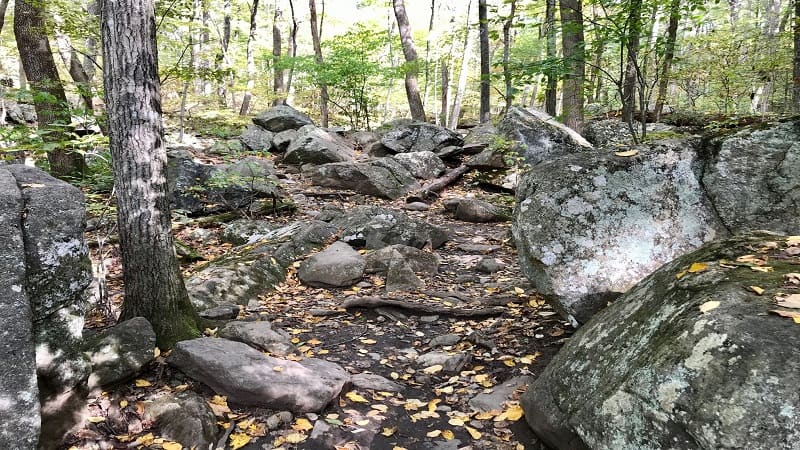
<point>278,82</point>
<point>292,50</point>
<point>551,90</point>
<point>462,75</point>
<point>412,67</point>
<point>428,54</point>
<point>315,39</point>
<point>154,288</point>
<point>223,59</point>
<point>251,62</point>
<point>3,7</point>
<point>76,71</point>
<point>445,94</point>
<point>669,55</point>
<point>506,48</point>
<point>573,49</point>
<point>483,29</point>
<point>796,62</point>
<point>40,69</point>
<point>629,83</point>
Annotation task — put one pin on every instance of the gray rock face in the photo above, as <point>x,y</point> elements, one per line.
<point>450,362</point>
<point>424,165</point>
<point>400,277</point>
<point>607,132</point>
<point>185,417</point>
<point>480,137</point>
<point>681,362</point>
<point>119,353</point>
<point>363,139</point>
<point>281,141</point>
<point>251,270</point>
<point>753,178</point>
<point>20,113</point>
<point>242,231</point>
<point>261,335</point>
<point>248,377</point>
<point>374,227</point>
<point>382,177</point>
<point>499,395</point>
<point>375,382</point>
<point>19,406</point>
<point>539,137</point>
<point>420,137</point>
<point>338,265</point>
<point>257,139</point>
<point>280,118</point>
<point>417,260</point>
<point>204,188</point>
<point>476,211</point>
<point>590,226</point>
<point>314,145</point>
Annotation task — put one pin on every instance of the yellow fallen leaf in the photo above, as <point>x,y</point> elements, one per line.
<point>448,435</point>
<point>697,267</point>
<point>792,278</point>
<point>313,342</point>
<point>433,369</point>
<point>509,362</point>
<point>397,447</point>
<point>123,403</point>
<point>789,301</point>
<point>142,383</point>
<point>681,274</point>
<point>362,423</point>
<point>171,446</point>
<point>433,433</point>
<point>514,413</point>
<point>793,314</point>
<point>354,396</point>
<point>519,291</point>
<point>219,400</point>
<point>486,415</point>
<point>456,422</point>
<point>96,419</point>
<point>302,424</point>
<point>156,352</point>
<point>708,306</point>
<point>444,390</point>
<point>792,241</point>
<point>368,341</point>
<point>758,290</point>
<point>296,438</point>
<point>146,440</point>
<point>278,369</point>
<point>394,375</point>
<point>389,431</point>
<point>474,433</point>
<point>627,153</point>
<point>378,407</point>
<point>239,440</point>
<point>433,404</point>
<point>762,268</point>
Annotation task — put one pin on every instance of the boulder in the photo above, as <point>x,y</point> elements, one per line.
<point>400,277</point>
<point>496,399</point>
<point>375,227</point>
<point>257,139</point>
<point>424,165</point>
<point>20,113</point>
<point>226,148</point>
<point>589,226</point>
<point>487,159</point>
<point>420,137</point>
<point>250,378</point>
<point>120,352</point>
<point>281,141</point>
<point>476,211</point>
<point>243,231</point>
<point>375,382</point>
<point>753,178</point>
<point>539,137</point>
<point>363,139</point>
<point>688,358</point>
<point>480,138</point>
<point>417,260</point>
<point>450,362</point>
<point>251,270</point>
<point>261,335</point>
<point>338,265</point>
<point>382,177</point>
<point>607,132</point>
<point>184,417</point>
<point>314,145</point>
<point>490,265</point>
<point>280,118</point>
<point>223,311</point>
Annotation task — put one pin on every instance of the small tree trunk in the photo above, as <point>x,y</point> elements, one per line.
<point>278,83</point>
<point>634,27</point>
<point>506,48</point>
<point>292,50</point>
<point>70,58</point>
<point>483,28</point>
<point>551,90</point>
<point>251,62</point>
<point>445,94</point>
<point>462,75</point>
<point>428,58</point>
<point>154,288</point>
<point>315,39</point>
<point>796,62</point>
<point>3,7</point>
<point>37,60</point>
<point>669,55</point>
<point>572,42</point>
<point>412,69</point>
<point>223,59</point>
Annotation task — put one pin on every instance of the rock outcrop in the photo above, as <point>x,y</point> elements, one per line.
<point>381,177</point>
<point>420,137</point>
<point>314,145</point>
<point>280,118</point>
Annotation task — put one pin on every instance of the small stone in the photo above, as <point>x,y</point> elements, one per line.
<point>429,319</point>
<point>445,340</point>
<point>221,312</point>
<point>417,206</point>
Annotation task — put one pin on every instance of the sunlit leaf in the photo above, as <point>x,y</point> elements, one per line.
<point>433,369</point>
<point>474,433</point>
<point>758,290</point>
<point>142,383</point>
<point>171,445</point>
<point>708,306</point>
<point>433,433</point>
<point>354,396</point>
<point>627,153</point>
<point>296,438</point>
<point>789,301</point>
<point>448,435</point>
<point>514,413</point>
<point>389,431</point>
<point>698,267</point>
<point>96,419</point>
<point>302,424</point>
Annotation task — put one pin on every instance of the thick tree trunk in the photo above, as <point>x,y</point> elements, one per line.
<point>551,90</point>
<point>154,288</point>
<point>412,69</point>
<point>669,55</point>
<point>573,43</point>
<point>251,62</point>
<point>630,82</point>
<point>506,48</point>
<point>278,82</point>
<point>483,29</point>
<point>315,39</point>
<point>796,68</point>
<point>42,74</point>
<point>462,75</point>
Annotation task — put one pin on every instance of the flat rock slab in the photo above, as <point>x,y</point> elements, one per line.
<point>119,353</point>
<point>248,377</point>
<point>261,335</point>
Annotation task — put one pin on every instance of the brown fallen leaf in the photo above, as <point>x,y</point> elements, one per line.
<point>792,278</point>
<point>790,314</point>
<point>789,301</point>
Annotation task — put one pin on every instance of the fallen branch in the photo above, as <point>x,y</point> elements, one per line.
<point>428,308</point>
<point>430,190</point>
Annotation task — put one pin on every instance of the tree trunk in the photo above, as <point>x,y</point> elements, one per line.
<point>483,28</point>
<point>292,50</point>
<point>445,94</point>
<point>40,69</point>
<point>572,43</point>
<point>251,62</point>
<point>3,7</point>
<point>551,91</point>
<point>154,288</point>
<point>634,28</point>
<point>223,59</point>
<point>669,55</point>
<point>412,67</point>
<point>70,58</point>
<point>462,75</point>
<point>278,82</point>
<point>315,39</point>
<point>796,64</point>
<point>506,48</point>
<point>428,55</point>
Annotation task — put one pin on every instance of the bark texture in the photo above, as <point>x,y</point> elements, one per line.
<point>315,39</point>
<point>573,50</point>
<point>796,68</point>
<point>669,55</point>
<point>251,62</point>
<point>278,82</point>
<point>631,79</point>
<point>551,90</point>
<point>483,28</point>
<point>412,69</point>
<point>506,48</point>
<point>154,288</point>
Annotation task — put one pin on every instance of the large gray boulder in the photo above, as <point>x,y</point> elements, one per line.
<point>538,137</point>
<point>250,270</point>
<point>120,352</point>
<point>314,145</point>
<point>481,137</point>
<point>375,227</point>
<point>382,177</point>
<point>424,165</point>
<point>184,417</point>
<point>417,260</point>
<point>476,211</point>
<point>338,265</point>
<point>588,226</point>
<point>280,118</point>
<point>420,137</point>
<point>684,360</point>
<point>248,377</point>
<point>753,178</point>
<point>257,139</point>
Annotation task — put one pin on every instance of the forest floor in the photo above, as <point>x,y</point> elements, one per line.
<point>432,412</point>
